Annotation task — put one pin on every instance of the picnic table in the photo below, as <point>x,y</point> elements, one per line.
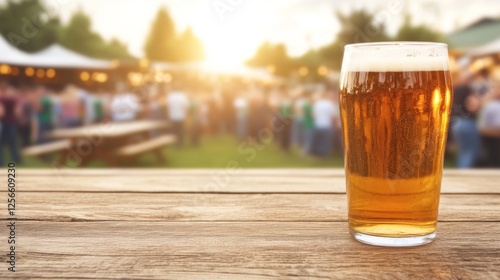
<point>102,141</point>
<point>235,224</point>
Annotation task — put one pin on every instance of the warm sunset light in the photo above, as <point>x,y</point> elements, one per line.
<point>220,53</point>
<point>249,139</point>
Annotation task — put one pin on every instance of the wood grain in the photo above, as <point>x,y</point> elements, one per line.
<point>256,224</point>
<point>263,250</point>
<point>215,207</point>
<point>218,181</point>
<point>273,172</point>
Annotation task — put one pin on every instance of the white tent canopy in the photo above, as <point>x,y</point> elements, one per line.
<point>54,56</point>
<point>10,55</point>
<point>57,56</point>
<point>486,49</point>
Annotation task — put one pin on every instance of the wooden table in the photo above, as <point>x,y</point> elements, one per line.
<point>98,142</point>
<point>251,224</point>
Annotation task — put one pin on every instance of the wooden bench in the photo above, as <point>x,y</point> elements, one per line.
<point>49,148</point>
<point>155,144</point>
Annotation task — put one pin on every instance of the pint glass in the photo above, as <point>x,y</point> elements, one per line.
<point>395,101</point>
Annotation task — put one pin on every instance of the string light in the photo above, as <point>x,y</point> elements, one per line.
<point>5,69</point>
<point>40,73</point>
<point>85,76</point>
<point>271,69</point>
<point>303,71</point>
<point>51,73</point>
<point>29,71</point>
<point>322,71</point>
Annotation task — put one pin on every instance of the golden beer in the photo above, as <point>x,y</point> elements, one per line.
<point>395,115</point>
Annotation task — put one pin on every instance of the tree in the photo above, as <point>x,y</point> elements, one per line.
<point>79,37</point>
<point>262,56</point>
<point>189,46</point>
<point>408,32</point>
<point>161,43</point>
<point>356,27</point>
<point>28,25</point>
<point>273,56</point>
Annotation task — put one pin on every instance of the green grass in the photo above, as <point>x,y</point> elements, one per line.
<point>218,152</point>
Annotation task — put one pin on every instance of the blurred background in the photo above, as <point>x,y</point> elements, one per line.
<point>221,83</point>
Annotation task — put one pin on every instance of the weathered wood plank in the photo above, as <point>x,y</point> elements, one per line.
<point>108,130</point>
<point>146,145</point>
<point>294,172</point>
<point>216,207</point>
<point>48,148</point>
<point>264,250</point>
<point>221,182</point>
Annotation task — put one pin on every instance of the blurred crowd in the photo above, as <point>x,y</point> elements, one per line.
<point>30,112</point>
<point>475,120</point>
<point>305,118</point>
<point>300,118</point>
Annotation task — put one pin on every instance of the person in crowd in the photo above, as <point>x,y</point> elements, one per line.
<point>10,112</point>
<point>481,83</point>
<point>87,113</point>
<point>489,127</point>
<point>195,118</point>
<point>71,108</point>
<point>464,127</point>
<point>258,115</point>
<point>26,121</point>
<point>241,109</point>
<point>153,110</point>
<point>324,111</point>
<point>285,111</point>
<point>298,120</point>
<point>228,111</point>
<point>124,105</point>
<point>99,111</point>
<point>337,124</point>
<point>204,113</point>
<point>214,113</point>
<point>308,125</point>
<point>45,114</point>
<point>177,103</point>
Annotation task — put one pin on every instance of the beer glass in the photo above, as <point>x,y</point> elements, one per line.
<point>395,100</point>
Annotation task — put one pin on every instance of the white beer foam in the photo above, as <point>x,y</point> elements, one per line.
<point>395,58</point>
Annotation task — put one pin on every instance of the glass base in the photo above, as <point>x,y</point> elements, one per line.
<point>385,241</point>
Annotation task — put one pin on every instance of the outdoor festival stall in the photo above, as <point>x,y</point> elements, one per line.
<point>57,65</point>
<point>10,59</point>
<point>54,65</point>
<point>487,55</point>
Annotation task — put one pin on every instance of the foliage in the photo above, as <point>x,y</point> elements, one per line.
<point>28,24</point>
<point>275,57</point>
<point>164,44</point>
<point>78,36</point>
<point>408,32</point>
<point>356,27</point>
<point>160,44</point>
<point>190,48</point>
<point>359,26</point>
<point>31,26</point>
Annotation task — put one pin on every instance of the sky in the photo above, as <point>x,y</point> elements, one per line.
<point>232,30</point>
